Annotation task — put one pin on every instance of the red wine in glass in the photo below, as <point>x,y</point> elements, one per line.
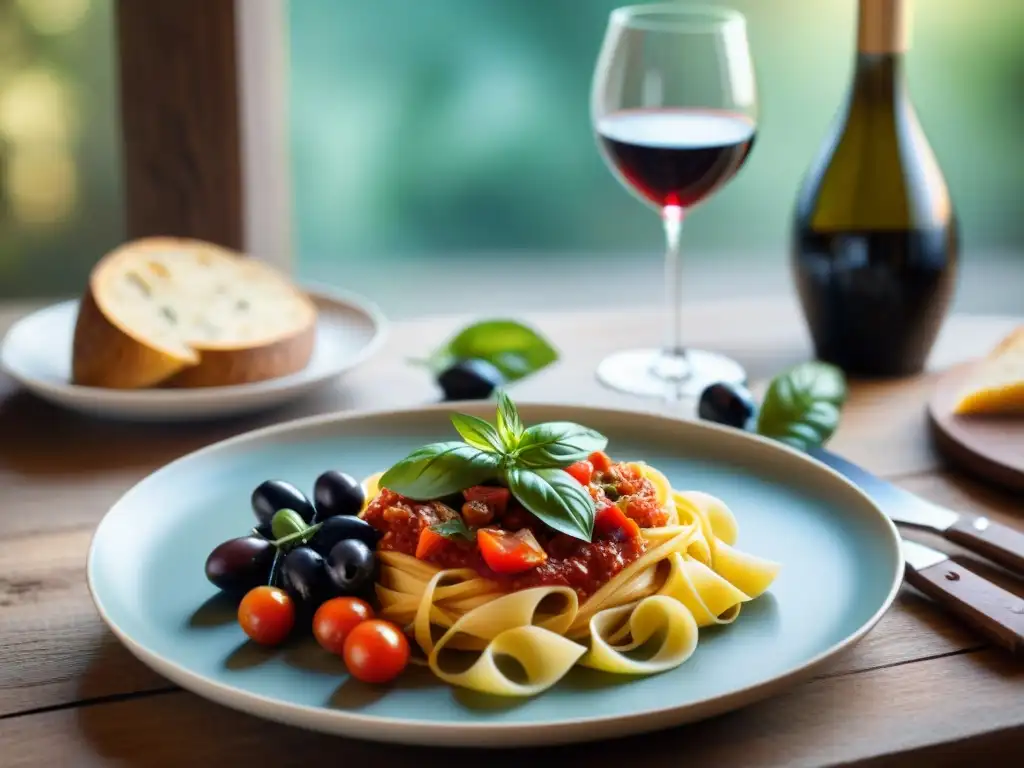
<point>676,157</point>
<point>673,105</point>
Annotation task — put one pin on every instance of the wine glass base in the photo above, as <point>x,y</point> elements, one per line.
<point>649,373</point>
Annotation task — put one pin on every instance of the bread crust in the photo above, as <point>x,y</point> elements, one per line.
<point>227,367</point>
<point>106,354</point>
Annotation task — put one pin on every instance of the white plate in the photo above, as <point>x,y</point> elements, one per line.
<point>37,353</point>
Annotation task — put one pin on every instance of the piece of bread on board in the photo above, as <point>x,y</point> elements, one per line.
<point>186,313</point>
<point>996,384</point>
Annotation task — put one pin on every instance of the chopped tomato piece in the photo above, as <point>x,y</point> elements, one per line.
<point>507,552</point>
<point>582,471</point>
<point>612,521</point>
<point>646,513</point>
<point>494,497</point>
<point>430,542</point>
<point>601,461</point>
<point>477,514</point>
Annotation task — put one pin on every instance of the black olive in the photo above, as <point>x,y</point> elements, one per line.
<point>350,566</point>
<point>304,575</point>
<point>335,529</point>
<point>729,404</point>
<point>336,493</point>
<point>274,495</point>
<point>470,380</point>
<point>240,564</point>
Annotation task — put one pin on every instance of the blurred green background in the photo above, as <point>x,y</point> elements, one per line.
<point>431,135</point>
<point>452,125</point>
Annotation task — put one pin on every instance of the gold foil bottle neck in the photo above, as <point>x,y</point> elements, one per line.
<point>883,26</point>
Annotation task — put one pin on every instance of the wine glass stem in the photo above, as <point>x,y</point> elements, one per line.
<point>672,219</point>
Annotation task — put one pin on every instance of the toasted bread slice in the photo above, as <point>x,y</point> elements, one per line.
<point>176,312</point>
<point>996,385</point>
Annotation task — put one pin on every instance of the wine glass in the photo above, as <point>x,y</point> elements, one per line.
<point>674,107</point>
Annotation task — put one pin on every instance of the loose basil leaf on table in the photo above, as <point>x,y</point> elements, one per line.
<point>513,348</point>
<point>478,433</point>
<point>510,426</point>
<point>556,498</point>
<point>558,444</point>
<point>802,406</point>
<point>440,469</point>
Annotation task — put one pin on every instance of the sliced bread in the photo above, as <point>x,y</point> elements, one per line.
<point>996,384</point>
<point>185,313</point>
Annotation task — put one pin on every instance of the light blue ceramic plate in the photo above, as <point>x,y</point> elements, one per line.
<point>841,570</point>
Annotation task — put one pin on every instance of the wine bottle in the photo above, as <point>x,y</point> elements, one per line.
<point>875,240</point>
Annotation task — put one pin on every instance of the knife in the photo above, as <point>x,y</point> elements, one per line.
<point>999,543</point>
<point>990,609</point>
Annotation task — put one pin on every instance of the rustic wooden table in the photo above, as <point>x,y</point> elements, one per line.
<point>919,689</point>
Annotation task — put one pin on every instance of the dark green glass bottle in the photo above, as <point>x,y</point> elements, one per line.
<point>875,239</point>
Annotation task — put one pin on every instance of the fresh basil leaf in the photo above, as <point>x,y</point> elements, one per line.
<point>558,444</point>
<point>556,498</point>
<point>478,433</point>
<point>510,426</point>
<point>439,469</point>
<point>455,528</point>
<point>513,348</point>
<point>802,405</point>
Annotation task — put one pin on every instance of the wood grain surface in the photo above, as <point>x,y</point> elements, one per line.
<point>920,686</point>
<point>179,119</point>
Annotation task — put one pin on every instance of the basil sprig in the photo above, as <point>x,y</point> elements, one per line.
<point>803,405</point>
<point>558,444</point>
<point>555,497</point>
<point>455,528</point>
<point>528,461</point>
<point>515,349</point>
<point>440,469</point>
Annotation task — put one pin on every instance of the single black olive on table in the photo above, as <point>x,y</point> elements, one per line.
<point>336,493</point>
<point>304,575</point>
<point>470,380</point>
<point>238,565</point>
<point>336,529</point>
<point>729,404</point>
<point>351,566</point>
<point>273,495</point>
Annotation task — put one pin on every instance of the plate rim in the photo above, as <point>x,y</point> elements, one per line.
<point>398,730</point>
<point>65,392</point>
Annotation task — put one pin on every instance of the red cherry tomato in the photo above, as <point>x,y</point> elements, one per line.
<point>495,498</point>
<point>601,461</point>
<point>507,552</point>
<point>376,651</point>
<point>266,615</point>
<point>582,471</point>
<point>336,618</point>
<point>611,522</point>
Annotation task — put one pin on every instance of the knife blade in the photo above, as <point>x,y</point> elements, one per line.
<point>988,608</point>
<point>995,541</point>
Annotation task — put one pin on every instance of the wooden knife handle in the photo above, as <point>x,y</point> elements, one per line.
<point>987,607</point>
<point>999,543</point>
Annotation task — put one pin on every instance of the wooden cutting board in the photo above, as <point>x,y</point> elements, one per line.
<point>989,447</point>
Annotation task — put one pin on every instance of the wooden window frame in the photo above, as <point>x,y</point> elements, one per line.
<point>204,115</point>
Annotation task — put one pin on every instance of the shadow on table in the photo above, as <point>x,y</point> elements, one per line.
<point>40,438</point>
<point>113,671</point>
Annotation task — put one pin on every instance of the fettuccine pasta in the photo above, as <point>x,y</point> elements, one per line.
<point>495,636</point>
